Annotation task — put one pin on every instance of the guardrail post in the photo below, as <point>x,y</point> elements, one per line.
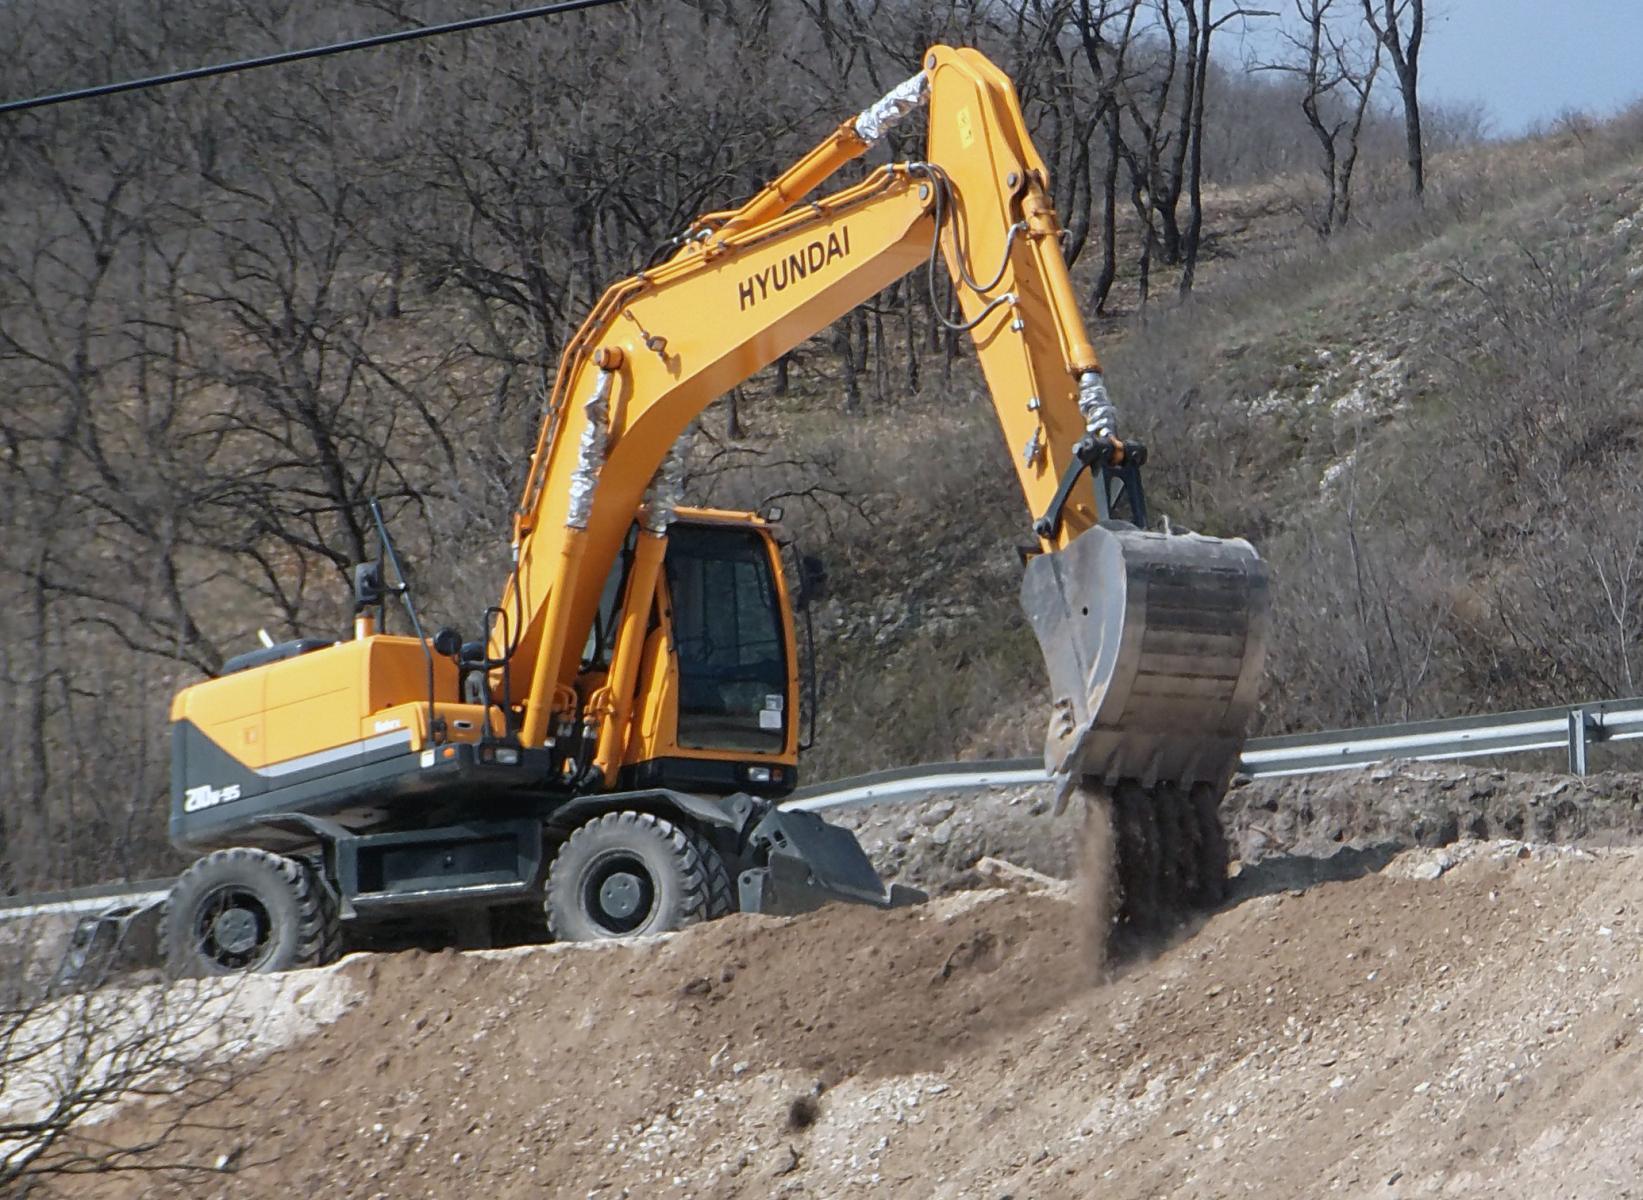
<point>1577,741</point>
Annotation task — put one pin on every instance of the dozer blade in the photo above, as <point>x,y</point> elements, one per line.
<point>1154,644</point>
<point>809,863</point>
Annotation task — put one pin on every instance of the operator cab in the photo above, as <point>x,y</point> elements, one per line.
<point>717,693</point>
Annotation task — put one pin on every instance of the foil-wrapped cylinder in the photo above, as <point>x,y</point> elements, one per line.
<point>590,456</point>
<point>666,490</point>
<point>1100,417</point>
<point>877,119</point>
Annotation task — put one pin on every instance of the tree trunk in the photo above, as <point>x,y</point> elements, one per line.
<point>1404,50</point>
<point>1414,150</point>
<point>1332,193</point>
<point>733,415</point>
<point>1168,236</point>
<point>881,357</point>
<point>847,363</point>
<point>1109,216</point>
<point>911,335</point>
<point>1201,30</point>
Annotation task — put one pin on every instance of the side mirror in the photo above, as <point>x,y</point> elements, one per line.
<point>367,586</point>
<point>447,642</point>
<point>812,580</point>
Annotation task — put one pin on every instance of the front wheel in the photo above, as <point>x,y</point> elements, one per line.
<point>630,873</point>
<point>246,911</point>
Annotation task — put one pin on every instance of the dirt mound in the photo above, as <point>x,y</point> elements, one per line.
<point>1463,1023</point>
<point>1458,1019</point>
<point>577,1051</point>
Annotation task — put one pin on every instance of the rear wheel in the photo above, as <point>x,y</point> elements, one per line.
<point>630,873</point>
<point>246,911</point>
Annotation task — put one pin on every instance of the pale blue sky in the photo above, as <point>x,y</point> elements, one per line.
<point>1529,60</point>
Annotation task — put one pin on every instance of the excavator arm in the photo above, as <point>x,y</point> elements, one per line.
<point>1156,684</point>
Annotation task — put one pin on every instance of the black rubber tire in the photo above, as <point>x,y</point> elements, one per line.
<point>332,948</point>
<point>246,911</point>
<point>680,879</point>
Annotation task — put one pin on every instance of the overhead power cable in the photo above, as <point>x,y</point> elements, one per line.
<point>290,56</point>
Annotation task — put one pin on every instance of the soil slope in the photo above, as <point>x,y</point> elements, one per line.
<point>1464,1021</point>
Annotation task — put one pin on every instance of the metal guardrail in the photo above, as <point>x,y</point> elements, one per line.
<point>904,782</point>
<point>1571,727</point>
<point>83,900</point>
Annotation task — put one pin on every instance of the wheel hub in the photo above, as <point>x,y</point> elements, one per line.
<point>235,931</point>
<point>621,895</point>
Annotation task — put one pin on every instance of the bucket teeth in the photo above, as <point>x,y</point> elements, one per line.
<point>1154,644</point>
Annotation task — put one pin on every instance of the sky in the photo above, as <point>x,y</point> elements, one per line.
<point>1529,60</point>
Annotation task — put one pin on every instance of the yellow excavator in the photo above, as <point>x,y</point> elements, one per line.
<point>615,746</point>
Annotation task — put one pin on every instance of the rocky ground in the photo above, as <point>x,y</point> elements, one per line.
<point>1300,829</point>
<point>1428,983</point>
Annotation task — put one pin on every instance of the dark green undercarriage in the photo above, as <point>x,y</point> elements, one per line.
<point>394,836</point>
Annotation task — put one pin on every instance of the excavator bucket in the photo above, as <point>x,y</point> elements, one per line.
<point>1154,644</point>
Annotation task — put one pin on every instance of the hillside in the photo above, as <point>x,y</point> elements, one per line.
<point>1424,426</point>
<point>231,315</point>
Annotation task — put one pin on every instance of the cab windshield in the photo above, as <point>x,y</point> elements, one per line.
<point>728,633</point>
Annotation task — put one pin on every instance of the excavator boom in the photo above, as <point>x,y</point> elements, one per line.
<point>1153,642</point>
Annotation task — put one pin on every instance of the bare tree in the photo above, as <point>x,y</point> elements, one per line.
<point>1201,27</point>
<point>1106,54</point>
<point>69,1057</point>
<point>1400,26</point>
<point>1166,106</point>
<point>1327,67</point>
<point>1151,154</point>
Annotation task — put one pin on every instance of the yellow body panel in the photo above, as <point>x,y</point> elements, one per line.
<point>319,700</point>
<point>231,712</point>
<point>309,709</point>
